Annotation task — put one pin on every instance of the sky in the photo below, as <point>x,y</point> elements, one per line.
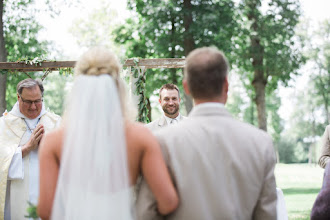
<point>57,29</point>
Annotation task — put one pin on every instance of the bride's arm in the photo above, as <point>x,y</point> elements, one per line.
<point>157,176</point>
<point>49,167</point>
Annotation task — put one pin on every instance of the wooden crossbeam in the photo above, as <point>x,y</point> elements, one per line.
<point>55,65</point>
<point>157,63</point>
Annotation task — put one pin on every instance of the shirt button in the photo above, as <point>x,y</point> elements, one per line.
<point>23,128</point>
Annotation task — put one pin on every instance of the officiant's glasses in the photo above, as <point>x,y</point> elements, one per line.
<point>29,102</point>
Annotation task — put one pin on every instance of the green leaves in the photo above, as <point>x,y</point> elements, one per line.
<point>37,61</point>
<point>140,91</point>
<point>66,71</point>
<point>32,211</point>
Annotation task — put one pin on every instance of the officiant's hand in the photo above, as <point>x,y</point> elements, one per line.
<point>34,141</point>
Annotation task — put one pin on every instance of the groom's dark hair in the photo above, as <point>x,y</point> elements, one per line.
<point>168,86</point>
<point>205,71</point>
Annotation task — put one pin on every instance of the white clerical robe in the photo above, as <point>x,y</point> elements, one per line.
<point>22,174</point>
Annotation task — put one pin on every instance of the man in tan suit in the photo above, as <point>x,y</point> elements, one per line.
<point>222,168</point>
<point>325,155</point>
<point>169,99</point>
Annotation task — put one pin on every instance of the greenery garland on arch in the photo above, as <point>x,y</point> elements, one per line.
<point>139,73</point>
<point>37,61</point>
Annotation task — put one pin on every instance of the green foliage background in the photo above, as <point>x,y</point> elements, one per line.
<point>21,36</point>
<point>157,30</point>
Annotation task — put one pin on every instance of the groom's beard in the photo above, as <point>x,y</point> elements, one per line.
<point>171,109</point>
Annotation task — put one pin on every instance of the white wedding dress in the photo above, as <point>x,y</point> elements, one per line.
<point>93,180</point>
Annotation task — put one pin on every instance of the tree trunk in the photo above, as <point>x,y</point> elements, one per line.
<point>251,118</point>
<point>188,43</point>
<point>325,95</point>
<point>311,150</point>
<point>173,76</point>
<point>256,52</point>
<point>3,58</point>
<point>149,109</point>
<point>259,87</point>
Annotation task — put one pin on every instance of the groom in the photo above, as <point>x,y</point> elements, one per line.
<point>222,168</point>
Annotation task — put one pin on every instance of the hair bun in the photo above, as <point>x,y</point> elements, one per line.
<point>98,61</point>
<point>92,71</point>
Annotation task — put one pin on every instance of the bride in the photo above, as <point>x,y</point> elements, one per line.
<point>89,167</point>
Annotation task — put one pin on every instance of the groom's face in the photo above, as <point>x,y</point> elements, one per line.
<point>170,102</point>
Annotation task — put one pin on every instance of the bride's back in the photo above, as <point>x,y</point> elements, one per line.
<point>99,152</point>
<point>139,141</point>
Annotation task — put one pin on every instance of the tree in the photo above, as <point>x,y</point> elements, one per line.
<point>96,28</point>
<point>3,58</point>
<point>306,123</point>
<point>265,47</point>
<point>55,91</point>
<point>19,40</point>
<point>319,53</point>
<point>171,29</point>
<point>241,105</point>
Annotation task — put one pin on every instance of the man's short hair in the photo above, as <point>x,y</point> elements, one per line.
<point>205,71</point>
<point>29,83</point>
<point>168,86</point>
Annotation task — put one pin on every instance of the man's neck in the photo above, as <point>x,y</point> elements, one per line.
<point>221,100</point>
<point>27,118</point>
<point>172,116</point>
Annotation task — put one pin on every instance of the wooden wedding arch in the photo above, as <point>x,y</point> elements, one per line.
<point>56,65</point>
<point>136,81</point>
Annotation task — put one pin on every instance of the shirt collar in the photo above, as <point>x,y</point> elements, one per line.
<point>168,120</point>
<point>15,111</point>
<point>210,104</point>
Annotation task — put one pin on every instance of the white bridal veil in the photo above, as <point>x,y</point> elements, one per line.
<point>93,181</point>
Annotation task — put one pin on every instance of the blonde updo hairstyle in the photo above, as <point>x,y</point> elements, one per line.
<point>98,61</point>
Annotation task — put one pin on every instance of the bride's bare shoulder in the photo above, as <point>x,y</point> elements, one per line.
<point>136,127</point>
<point>55,135</point>
<point>53,140</point>
<point>137,130</point>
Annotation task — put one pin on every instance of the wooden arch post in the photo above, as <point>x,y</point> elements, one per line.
<point>136,80</point>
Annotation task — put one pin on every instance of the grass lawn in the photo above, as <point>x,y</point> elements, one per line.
<point>300,184</point>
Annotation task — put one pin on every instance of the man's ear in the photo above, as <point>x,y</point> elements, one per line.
<point>225,89</point>
<point>160,101</point>
<point>226,85</point>
<point>185,87</point>
<point>17,96</point>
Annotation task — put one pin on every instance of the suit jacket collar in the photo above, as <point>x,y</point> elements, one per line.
<point>162,121</point>
<point>209,110</point>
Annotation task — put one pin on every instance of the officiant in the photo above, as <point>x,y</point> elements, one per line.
<point>21,130</point>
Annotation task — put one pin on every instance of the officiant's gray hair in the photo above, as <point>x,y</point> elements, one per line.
<point>29,83</point>
<point>98,61</point>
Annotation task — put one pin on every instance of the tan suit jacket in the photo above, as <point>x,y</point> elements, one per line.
<point>325,155</point>
<point>160,122</point>
<point>222,169</point>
